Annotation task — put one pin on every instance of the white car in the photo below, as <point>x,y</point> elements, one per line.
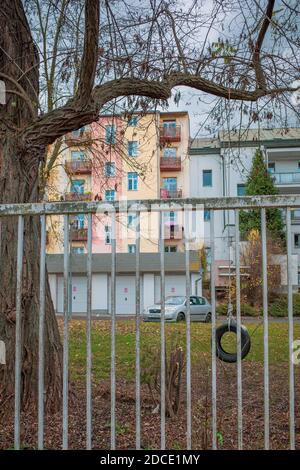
<point>175,309</point>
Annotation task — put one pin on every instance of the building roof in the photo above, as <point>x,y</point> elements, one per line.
<point>246,138</point>
<point>125,263</point>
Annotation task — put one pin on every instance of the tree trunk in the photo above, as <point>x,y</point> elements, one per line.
<point>19,185</point>
<point>19,171</point>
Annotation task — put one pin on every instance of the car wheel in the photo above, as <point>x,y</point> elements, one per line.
<point>208,318</point>
<point>181,316</point>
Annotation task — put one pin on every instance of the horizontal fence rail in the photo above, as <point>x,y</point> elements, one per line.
<point>261,203</point>
<point>156,205</point>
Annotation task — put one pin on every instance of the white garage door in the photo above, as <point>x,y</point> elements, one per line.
<point>79,294</point>
<point>174,285</point>
<point>125,293</point>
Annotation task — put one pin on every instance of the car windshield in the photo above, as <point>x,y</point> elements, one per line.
<point>174,300</point>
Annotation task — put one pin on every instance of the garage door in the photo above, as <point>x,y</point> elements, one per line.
<point>125,293</point>
<point>79,294</point>
<point>174,285</point>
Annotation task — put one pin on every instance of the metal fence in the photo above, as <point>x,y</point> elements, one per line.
<point>261,203</point>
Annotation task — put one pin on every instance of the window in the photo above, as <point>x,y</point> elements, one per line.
<point>194,301</point>
<point>206,215</point>
<point>110,169</point>
<point>78,222</point>
<point>170,184</point>
<point>170,217</point>
<point>132,148</point>
<point>110,195</point>
<point>207,250</point>
<point>295,214</point>
<point>271,167</point>
<point>132,181</point>
<point>78,156</point>
<point>207,178</point>
<point>110,134</point>
<point>133,121</point>
<point>77,186</point>
<point>241,189</point>
<point>169,128</point>
<point>170,249</point>
<point>77,250</point>
<point>298,165</point>
<point>297,240</point>
<point>170,152</point>
<point>107,234</point>
<point>79,132</point>
<point>131,248</point>
<point>131,221</point>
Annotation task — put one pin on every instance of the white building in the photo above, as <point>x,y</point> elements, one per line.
<point>219,168</point>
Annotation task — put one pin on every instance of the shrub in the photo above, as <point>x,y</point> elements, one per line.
<point>246,310</point>
<point>279,308</point>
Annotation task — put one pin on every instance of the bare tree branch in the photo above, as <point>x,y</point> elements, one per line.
<point>260,76</point>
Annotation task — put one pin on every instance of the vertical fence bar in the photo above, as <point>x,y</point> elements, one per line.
<point>266,329</point>
<point>18,351</point>
<point>41,334</point>
<point>188,334</point>
<point>67,293</point>
<point>113,332</point>
<point>162,337</point>
<point>213,332</point>
<point>238,336</point>
<point>89,337</point>
<point>291,328</point>
<point>138,335</point>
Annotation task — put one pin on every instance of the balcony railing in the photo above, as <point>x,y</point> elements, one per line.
<point>78,196</point>
<point>168,194</point>
<point>79,235</point>
<point>78,166</point>
<point>170,163</point>
<point>173,232</point>
<point>83,139</point>
<point>170,134</point>
<point>286,178</point>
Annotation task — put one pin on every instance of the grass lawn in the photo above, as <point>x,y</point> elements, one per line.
<point>150,340</point>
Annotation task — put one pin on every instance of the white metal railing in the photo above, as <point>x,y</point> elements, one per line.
<point>286,178</point>
<point>260,202</point>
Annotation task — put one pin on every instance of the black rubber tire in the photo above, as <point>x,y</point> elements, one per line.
<point>208,318</point>
<point>180,316</point>
<point>245,340</point>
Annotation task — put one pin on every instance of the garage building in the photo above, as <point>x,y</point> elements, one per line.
<point>175,280</point>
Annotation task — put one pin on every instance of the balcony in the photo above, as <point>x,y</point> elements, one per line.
<point>78,196</point>
<point>289,179</point>
<point>173,231</point>
<point>170,134</point>
<point>79,234</point>
<point>170,164</point>
<point>81,139</point>
<point>78,166</point>
<point>168,194</point>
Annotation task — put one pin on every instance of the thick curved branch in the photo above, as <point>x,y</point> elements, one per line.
<point>90,52</point>
<point>260,76</point>
<point>53,125</point>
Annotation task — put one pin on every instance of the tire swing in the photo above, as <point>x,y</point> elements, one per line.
<point>245,342</point>
<point>231,325</point>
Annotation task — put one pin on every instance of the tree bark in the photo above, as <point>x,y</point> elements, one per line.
<point>19,171</point>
